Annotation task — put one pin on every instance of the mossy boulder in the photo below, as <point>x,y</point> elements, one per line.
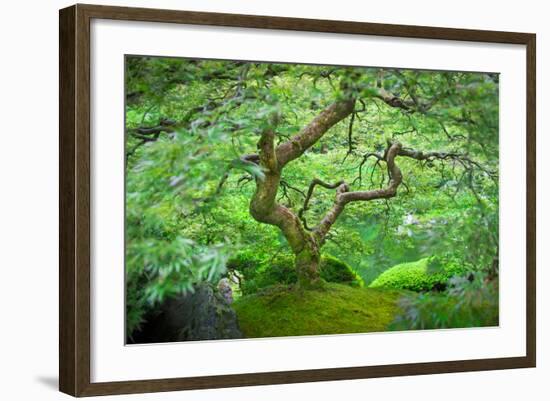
<point>426,274</point>
<point>202,315</point>
<point>281,271</point>
<point>285,310</point>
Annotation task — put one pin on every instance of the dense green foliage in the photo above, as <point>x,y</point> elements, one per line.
<point>469,303</point>
<point>188,189</point>
<point>423,275</point>
<point>335,309</point>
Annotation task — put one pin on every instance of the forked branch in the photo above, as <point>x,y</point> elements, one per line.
<point>311,188</point>
<point>343,196</point>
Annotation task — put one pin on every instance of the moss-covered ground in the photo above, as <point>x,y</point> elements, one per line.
<point>332,309</point>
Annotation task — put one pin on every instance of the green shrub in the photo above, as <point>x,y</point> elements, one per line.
<point>244,264</point>
<point>423,275</point>
<point>334,270</point>
<point>468,302</point>
<point>281,270</point>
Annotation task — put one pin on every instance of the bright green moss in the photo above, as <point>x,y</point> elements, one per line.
<point>423,275</point>
<point>335,309</point>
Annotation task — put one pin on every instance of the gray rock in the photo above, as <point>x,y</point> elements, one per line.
<point>225,290</point>
<point>202,315</point>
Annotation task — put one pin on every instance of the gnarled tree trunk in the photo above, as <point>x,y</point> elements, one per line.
<point>305,241</point>
<point>265,209</point>
<point>264,206</point>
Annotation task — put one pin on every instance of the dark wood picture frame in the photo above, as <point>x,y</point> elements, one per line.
<point>74,200</point>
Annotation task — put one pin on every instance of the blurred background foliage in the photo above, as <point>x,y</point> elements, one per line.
<point>187,192</point>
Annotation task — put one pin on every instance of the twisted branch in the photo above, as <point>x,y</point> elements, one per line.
<point>343,196</point>
<point>311,188</point>
<point>463,159</point>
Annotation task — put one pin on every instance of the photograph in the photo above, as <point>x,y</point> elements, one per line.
<point>268,199</point>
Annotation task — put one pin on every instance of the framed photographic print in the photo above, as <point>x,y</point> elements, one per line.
<point>250,200</point>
